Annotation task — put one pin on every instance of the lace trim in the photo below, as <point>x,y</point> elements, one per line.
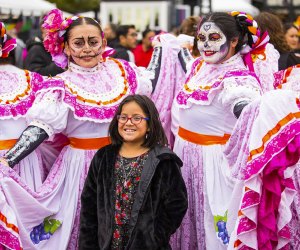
<point>7,237</point>
<point>253,153</point>
<point>11,98</point>
<point>15,105</point>
<point>104,99</point>
<point>49,130</point>
<point>205,94</point>
<point>281,77</point>
<point>75,68</point>
<point>247,220</point>
<point>94,108</point>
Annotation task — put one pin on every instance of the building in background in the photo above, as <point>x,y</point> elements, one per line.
<point>165,14</point>
<point>287,9</point>
<point>153,14</point>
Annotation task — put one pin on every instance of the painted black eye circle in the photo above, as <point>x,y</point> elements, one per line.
<point>201,37</point>
<point>214,37</point>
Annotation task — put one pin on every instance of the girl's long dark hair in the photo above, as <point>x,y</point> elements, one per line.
<point>156,134</point>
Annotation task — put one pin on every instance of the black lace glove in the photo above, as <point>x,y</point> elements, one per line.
<point>154,66</point>
<point>29,140</point>
<point>185,57</point>
<point>238,108</point>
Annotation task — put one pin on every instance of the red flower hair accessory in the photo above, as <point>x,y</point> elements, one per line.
<point>6,45</point>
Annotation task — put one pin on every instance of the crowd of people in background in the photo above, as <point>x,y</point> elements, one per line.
<point>135,46</point>
<point>116,138</point>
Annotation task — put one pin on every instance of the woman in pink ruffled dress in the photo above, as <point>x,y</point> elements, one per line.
<point>17,93</point>
<point>78,103</point>
<point>263,152</point>
<point>218,87</point>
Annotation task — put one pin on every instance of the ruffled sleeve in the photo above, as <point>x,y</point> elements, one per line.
<point>239,89</point>
<point>265,67</point>
<point>168,79</point>
<point>49,112</point>
<point>144,86</point>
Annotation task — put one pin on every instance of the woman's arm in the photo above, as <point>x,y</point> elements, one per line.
<point>186,42</point>
<point>29,140</point>
<point>185,58</point>
<point>154,65</point>
<point>238,108</point>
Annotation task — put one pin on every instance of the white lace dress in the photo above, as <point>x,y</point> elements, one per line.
<point>17,93</point>
<point>205,107</point>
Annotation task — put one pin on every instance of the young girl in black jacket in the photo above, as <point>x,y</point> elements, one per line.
<point>134,196</point>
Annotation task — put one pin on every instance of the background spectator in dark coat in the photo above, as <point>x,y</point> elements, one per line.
<point>127,37</point>
<point>110,33</point>
<point>38,59</point>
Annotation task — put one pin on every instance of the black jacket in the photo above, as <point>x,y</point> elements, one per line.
<point>158,209</point>
<point>39,60</point>
<point>122,52</point>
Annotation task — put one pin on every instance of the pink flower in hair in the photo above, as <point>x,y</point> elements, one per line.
<point>60,60</point>
<point>56,26</point>
<point>53,20</point>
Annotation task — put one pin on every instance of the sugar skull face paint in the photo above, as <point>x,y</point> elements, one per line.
<point>85,45</point>
<point>212,43</point>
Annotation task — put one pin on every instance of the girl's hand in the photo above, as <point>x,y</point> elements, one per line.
<point>4,162</point>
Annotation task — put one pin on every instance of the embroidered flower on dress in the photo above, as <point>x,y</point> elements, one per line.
<point>44,230</point>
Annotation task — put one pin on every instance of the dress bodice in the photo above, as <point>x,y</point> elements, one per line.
<point>208,97</point>
<point>82,101</point>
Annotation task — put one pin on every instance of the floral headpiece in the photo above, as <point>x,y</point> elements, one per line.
<point>56,27</point>
<point>7,45</point>
<point>250,27</point>
<point>256,43</point>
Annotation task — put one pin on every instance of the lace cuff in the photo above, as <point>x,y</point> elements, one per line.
<point>48,129</point>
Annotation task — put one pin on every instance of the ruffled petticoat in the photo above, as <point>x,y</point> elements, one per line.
<point>27,169</point>
<point>57,200</point>
<point>269,130</point>
<point>204,172</point>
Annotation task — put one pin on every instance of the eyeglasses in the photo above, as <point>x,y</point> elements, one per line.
<point>137,119</point>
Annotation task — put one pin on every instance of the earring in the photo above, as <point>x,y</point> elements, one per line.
<point>146,137</point>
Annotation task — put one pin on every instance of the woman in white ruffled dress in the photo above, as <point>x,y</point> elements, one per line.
<point>17,93</point>
<point>78,103</point>
<point>218,87</point>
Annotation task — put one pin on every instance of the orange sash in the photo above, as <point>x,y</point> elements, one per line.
<point>7,144</point>
<point>202,139</point>
<point>90,143</point>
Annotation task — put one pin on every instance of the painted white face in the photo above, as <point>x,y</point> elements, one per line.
<point>85,45</point>
<point>212,43</point>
